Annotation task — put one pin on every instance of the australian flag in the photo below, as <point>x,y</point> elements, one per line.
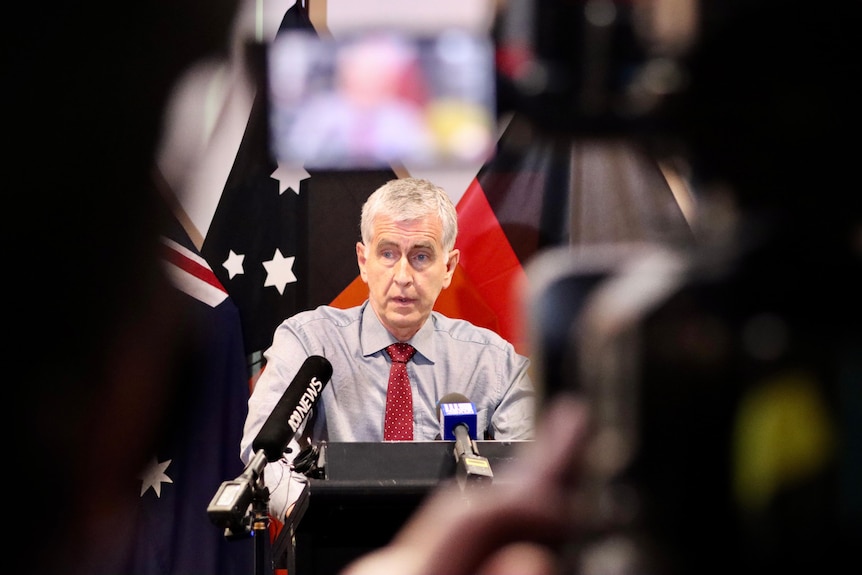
<point>172,533</point>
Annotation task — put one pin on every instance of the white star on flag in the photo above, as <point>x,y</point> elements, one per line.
<point>279,271</point>
<point>233,264</point>
<point>288,177</point>
<point>154,475</point>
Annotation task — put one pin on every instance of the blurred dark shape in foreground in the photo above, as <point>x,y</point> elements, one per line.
<point>727,376</point>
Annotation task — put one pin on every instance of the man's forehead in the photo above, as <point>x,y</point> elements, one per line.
<point>423,232</point>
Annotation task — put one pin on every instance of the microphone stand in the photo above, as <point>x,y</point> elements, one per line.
<point>284,547</point>
<point>260,526</point>
<point>241,508</point>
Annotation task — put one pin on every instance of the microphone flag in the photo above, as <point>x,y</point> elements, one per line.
<point>454,414</point>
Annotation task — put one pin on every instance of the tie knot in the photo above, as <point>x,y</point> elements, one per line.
<point>400,352</point>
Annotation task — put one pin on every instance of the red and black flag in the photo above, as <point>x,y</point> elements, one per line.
<point>537,192</point>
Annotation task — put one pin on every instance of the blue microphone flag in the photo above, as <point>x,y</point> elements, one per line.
<point>454,414</point>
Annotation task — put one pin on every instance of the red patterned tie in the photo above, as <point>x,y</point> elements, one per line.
<point>398,425</point>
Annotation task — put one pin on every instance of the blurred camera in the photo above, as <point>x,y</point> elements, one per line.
<point>592,67</point>
<point>381,97</point>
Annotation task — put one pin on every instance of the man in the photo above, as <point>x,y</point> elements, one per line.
<point>407,256</point>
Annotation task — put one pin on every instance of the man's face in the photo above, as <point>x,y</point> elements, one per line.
<point>405,268</point>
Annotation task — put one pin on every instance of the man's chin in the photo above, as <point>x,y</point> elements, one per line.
<point>404,318</point>
<point>396,308</point>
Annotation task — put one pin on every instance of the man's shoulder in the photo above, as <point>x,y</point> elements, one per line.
<point>466,331</point>
<point>335,315</point>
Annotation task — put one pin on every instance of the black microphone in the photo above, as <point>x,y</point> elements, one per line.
<point>293,407</point>
<point>457,416</point>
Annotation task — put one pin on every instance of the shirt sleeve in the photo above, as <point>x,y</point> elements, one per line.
<point>285,486</point>
<point>514,418</point>
<point>284,358</point>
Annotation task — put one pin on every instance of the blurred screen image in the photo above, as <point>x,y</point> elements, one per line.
<point>379,98</point>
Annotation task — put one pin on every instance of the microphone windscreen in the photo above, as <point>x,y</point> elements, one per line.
<point>451,398</point>
<point>293,407</point>
<point>454,409</point>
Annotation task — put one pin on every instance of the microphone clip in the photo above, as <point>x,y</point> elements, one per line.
<point>307,462</point>
<point>471,469</point>
<point>240,506</point>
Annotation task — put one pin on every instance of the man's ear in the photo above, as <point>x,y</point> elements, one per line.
<point>361,260</point>
<point>451,264</point>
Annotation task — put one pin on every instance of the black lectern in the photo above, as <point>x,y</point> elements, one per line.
<point>367,492</point>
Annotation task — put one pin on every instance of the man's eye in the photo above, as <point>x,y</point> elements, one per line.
<point>388,254</point>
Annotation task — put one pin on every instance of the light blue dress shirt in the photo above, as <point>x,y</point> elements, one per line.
<point>452,356</point>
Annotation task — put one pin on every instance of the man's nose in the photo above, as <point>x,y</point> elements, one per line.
<point>403,271</point>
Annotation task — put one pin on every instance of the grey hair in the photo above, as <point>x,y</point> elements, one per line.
<point>407,199</point>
